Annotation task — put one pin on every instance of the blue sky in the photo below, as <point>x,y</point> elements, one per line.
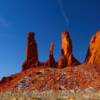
<point>47,18</point>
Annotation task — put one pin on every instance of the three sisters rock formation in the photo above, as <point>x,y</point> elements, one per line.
<point>66,58</point>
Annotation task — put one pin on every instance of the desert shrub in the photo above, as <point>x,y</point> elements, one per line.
<point>73,94</point>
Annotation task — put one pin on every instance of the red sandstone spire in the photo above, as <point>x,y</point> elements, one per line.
<point>31,51</point>
<point>66,47</point>
<point>93,54</point>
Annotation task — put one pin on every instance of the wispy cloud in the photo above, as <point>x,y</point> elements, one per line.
<point>60,2</point>
<point>4,22</point>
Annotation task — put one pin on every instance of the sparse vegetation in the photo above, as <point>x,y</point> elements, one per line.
<point>73,94</point>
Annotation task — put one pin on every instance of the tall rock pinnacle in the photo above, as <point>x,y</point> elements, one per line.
<point>93,54</point>
<point>31,51</point>
<point>51,49</point>
<point>66,46</point>
<point>51,60</point>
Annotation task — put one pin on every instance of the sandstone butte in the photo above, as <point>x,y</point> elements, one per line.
<point>66,73</point>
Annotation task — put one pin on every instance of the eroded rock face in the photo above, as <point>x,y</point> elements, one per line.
<point>66,43</point>
<point>51,60</point>
<point>51,49</point>
<point>62,60</point>
<point>66,46</point>
<point>93,54</point>
<point>31,51</point>
<point>5,79</point>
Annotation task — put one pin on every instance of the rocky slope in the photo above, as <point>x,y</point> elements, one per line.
<point>82,76</point>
